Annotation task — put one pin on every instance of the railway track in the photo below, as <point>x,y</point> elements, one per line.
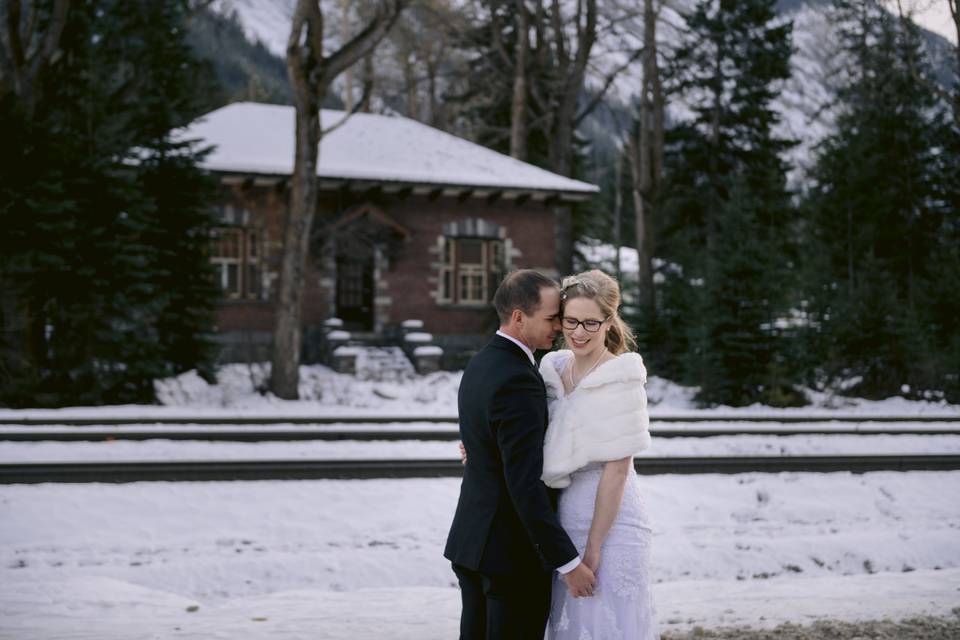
<point>315,420</point>
<point>228,434</point>
<point>119,472</point>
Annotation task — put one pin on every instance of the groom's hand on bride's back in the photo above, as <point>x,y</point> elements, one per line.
<point>580,581</point>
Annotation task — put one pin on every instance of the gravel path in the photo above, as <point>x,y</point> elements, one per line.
<point>923,628</point>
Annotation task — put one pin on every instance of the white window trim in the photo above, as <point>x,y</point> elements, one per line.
<point>249,237</point>
<point>457,272</point>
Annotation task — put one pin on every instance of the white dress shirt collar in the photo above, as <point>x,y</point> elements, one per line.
<point>525,348</point>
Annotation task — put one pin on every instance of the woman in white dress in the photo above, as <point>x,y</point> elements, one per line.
<point>598,421</point>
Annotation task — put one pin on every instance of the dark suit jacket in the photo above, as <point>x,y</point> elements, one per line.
<point>505,520</point>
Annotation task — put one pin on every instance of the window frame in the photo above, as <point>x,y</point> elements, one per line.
<point>470,284</point>
<point>248,261</point>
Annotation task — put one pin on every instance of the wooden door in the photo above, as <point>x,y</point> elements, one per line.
<point>355,290</point>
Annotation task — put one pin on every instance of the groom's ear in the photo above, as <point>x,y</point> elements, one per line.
<point>516,316</point>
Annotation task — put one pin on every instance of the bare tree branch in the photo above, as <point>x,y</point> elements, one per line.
<point>608,82</point>
<point>364,99</point>
<point>24,50</point>
<point>364,42</point>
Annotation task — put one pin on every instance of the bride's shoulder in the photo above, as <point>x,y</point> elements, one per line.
<point>631,362</point>
<point>626,367</point>
<point>556,359</point>
<point>629,358</point>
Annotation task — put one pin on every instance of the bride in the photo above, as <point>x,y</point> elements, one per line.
<point>598,421</point>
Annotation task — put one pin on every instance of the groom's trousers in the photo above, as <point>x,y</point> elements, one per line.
<point>507,606</point>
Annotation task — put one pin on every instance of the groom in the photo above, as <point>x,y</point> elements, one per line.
<point>506,541</point>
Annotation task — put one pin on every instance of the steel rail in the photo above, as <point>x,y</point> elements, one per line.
<point>211,470</point>
<point>380,419</point>
<point>304,433</point>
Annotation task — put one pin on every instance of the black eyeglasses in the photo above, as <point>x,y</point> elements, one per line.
<point>571,324</point>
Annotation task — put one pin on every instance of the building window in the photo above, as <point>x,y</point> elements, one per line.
<point>470,270</point>
<point>237,254</point>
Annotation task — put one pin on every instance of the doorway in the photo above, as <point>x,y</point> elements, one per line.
<point>355,289</point>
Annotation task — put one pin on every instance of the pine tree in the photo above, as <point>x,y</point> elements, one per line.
<point>725,214</point>
<point>743,359</point>
<point>107,213</point>
<point>883,218</point>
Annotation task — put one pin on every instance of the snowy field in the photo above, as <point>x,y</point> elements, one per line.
<point>325,393</point>
<point>362,559</point>
<point>741,445</point>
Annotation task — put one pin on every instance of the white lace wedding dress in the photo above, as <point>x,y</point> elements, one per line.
<point>622,604</point>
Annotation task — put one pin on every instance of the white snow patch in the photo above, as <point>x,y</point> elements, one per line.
<point>365,557</point>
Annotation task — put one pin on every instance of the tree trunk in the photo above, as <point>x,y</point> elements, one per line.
<point>955,15</point>
<point>640,169</point>
<point>437,114</point>
<point>561,153</point>
<point>348,74</point>
<point>311,74</point>
<point>716,83</point>
<point>29,42</point>
<point>284,376</point>
<point>647,156</point>
<point>368,80</point>
<point>407,62</point>
<point>571,74</point>
<point>617,215</point>
<point>518,107</point>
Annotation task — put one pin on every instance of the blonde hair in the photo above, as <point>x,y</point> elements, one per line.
<point>597,286</point>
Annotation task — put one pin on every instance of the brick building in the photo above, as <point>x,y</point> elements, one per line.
<point>412,223</point>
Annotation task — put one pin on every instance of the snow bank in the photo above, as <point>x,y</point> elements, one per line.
<point>311,559</point>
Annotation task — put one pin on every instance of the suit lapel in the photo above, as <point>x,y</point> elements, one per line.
<point>502,343</point>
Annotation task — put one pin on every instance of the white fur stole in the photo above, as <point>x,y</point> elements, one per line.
<point>604,418</point>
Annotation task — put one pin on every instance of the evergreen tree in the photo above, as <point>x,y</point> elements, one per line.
<point>744,359</point>
<point>883,219</point>
<point>106,213</point>
<point>725,214</point>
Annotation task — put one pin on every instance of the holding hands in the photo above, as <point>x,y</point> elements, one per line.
<point>581,581</point>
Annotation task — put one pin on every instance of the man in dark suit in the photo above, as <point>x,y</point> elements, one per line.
<point>506,541</point>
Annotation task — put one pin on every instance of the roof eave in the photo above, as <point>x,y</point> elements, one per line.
<point>432,190</point>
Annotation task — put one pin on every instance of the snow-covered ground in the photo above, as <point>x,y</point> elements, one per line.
<point>742,445</point>
<point>362,559</point>
<point>326,393</point>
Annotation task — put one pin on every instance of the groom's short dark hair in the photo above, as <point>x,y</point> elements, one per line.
<point>520,290</point>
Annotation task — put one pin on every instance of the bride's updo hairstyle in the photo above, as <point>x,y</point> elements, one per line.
<point>597,286</point>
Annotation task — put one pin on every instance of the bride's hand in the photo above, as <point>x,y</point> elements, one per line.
<point>463,454</point>
<point>591,558</point>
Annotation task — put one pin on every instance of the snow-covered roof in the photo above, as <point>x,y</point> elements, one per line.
<point>259,138</point>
